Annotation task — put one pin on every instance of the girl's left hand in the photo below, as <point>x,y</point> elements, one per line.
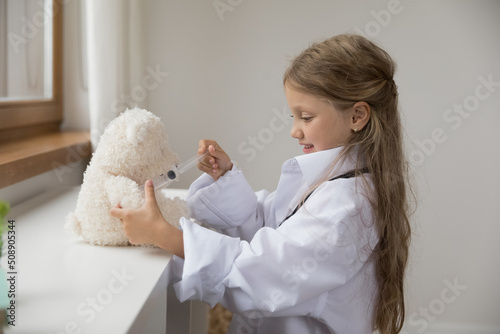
<point>142,225</point>
<point>146,225</point>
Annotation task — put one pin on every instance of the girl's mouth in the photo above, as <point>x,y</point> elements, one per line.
<point>308,148</point>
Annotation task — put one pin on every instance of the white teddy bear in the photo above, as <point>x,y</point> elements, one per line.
<point>132,149</point>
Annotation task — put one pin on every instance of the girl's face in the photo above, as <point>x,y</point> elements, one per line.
<point>316,123</point>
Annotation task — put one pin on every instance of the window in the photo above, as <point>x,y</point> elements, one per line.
<point>30,139</point>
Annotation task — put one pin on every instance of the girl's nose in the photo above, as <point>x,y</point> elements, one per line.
<point>296,132</point>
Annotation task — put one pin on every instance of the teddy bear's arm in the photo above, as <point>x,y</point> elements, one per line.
<point>124,191</point>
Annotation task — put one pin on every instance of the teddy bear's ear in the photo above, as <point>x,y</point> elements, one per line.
<point>136,133</point>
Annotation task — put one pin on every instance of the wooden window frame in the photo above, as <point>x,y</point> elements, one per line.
<point>31,141</point>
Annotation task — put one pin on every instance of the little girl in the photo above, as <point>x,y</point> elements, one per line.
<point>326,252</point>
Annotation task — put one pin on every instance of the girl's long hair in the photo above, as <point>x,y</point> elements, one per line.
<point>347,69</point>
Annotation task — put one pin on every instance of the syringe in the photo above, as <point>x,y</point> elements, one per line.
<point>173,173</point>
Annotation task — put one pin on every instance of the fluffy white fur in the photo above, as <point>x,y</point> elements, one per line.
<point>132,149</point>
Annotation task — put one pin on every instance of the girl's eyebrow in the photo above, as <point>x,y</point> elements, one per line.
<point>301,109</point>
<point>306,111</point>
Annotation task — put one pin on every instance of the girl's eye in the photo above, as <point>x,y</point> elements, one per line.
<point>306,119</point>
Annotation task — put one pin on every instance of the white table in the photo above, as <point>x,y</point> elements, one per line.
<point>65,285</point>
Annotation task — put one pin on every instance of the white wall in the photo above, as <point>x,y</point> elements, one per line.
<point>225,81</point>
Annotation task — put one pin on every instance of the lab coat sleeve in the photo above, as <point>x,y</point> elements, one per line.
<point>229,204</point>
<point>284,271</point>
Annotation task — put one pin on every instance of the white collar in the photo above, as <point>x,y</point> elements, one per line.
<point>314,165</point>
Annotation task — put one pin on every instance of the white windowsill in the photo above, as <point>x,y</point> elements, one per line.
<point>64,284</point>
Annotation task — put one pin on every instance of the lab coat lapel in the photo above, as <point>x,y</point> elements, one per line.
<point>315,165</point>
<point>298,175</point>
<point>291,184</point>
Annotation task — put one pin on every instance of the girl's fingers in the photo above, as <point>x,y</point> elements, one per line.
<point>117,211</point>
<point>209,161</point>
<point>149,191</point>
<point>208,168</point>
<point>204,144</point>
<point>217,162</point>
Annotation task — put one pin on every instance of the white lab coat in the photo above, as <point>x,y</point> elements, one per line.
<point>313,274</point>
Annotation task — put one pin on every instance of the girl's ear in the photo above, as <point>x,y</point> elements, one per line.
<point>360,115</point>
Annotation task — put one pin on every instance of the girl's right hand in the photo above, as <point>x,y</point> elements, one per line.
<point>217,162</point>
